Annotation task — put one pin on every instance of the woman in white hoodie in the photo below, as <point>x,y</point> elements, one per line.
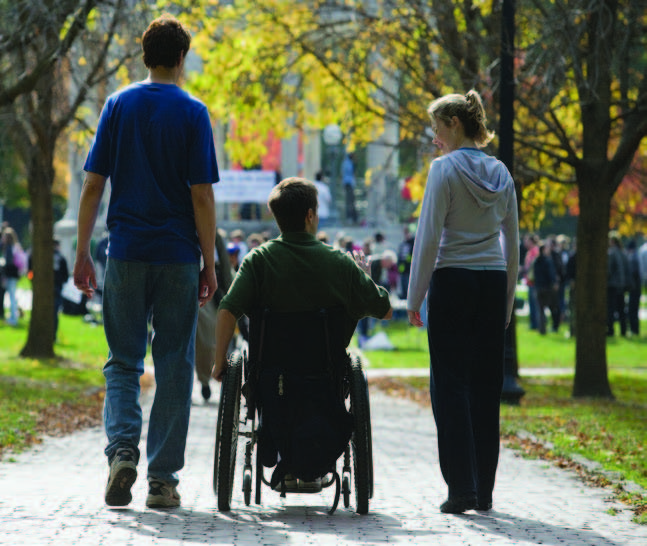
<point>465,258</point>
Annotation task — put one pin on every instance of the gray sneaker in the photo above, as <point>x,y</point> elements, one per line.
<point>162,494</point>
<point>123,473</point>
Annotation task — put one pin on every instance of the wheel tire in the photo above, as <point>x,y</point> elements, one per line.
<point>247,486</point>
<point>345,489</point>
<point>361,438</point>
<point>259,478</point>
<point>227,433</point>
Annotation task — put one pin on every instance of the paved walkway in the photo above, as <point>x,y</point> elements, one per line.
<point>53,495</point>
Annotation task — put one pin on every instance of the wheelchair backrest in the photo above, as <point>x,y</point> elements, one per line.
<point>303,341</point>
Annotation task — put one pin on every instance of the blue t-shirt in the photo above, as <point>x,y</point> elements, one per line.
<point>153,141</point>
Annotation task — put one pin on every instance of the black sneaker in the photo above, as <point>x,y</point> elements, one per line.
<point>484,505</point>
<point>162,494</point>
<point>123,473</point>
<point>458,505</point>
<point>206,392</point>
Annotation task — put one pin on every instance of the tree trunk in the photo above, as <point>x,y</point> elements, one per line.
<point>591,377</point>
<point>40,340</point>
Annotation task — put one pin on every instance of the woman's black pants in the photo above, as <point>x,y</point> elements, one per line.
<point>466,330</point>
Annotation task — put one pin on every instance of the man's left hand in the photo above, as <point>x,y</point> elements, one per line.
<point>361,260</point>
<point>207,286</point>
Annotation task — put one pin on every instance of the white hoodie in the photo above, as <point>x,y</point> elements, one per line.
<point>469,203</point>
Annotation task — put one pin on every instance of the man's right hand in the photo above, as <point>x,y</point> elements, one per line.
<point>219,369</point>
<point>85,278</point>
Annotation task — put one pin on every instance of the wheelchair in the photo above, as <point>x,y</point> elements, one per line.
<point>300,360</point>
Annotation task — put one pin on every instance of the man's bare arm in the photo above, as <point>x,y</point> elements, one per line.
<point>225,327</point>
<point>204,209</point>
<point>84,273</point>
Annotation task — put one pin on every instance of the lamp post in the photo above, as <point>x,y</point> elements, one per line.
<point>332,137</point>
<point>512,391</point>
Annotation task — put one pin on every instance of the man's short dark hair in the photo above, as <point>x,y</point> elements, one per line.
<point>164,42</point>
<point>290,201</point>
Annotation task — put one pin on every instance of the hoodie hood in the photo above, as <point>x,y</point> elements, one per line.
<point>484,176</point>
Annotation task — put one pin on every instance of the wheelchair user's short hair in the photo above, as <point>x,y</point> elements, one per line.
<point>289,202</point>
<point>164,41</point>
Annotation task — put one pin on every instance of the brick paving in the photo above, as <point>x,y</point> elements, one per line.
<point>53,495</point>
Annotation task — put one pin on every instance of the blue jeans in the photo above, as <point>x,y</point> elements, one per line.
<point>11,284</point>
<point>168,295</point>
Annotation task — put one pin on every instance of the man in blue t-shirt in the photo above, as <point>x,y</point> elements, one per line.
<point>154,141</point>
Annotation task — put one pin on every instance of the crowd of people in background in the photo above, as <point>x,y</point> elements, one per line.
<point>548,266</point>
<point>547,269</point>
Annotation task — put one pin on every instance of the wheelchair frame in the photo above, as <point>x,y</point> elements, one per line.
<point>230,428</point>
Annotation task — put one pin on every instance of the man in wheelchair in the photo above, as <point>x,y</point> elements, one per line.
<point>283,286</point>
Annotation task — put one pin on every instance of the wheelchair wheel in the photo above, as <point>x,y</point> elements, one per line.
<point>361,438</point>
<point>345,489</point>
<point>259,478</point>
<point>227,433</point>
<point>247,486</point>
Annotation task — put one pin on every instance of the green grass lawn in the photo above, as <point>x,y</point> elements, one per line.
<point>554,350</point>
<point>38,395</point>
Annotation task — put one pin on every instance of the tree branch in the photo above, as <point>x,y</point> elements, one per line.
<point>28,80</point>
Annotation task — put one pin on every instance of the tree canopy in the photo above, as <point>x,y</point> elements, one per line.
<point>580,109</point>
<point>282,66</point>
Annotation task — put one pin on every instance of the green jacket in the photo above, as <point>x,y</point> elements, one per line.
<point>296,272</point>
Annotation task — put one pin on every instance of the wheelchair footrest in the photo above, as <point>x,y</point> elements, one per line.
<point>294,485</point>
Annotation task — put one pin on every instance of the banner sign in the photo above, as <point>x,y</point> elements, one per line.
<point>244,186</point>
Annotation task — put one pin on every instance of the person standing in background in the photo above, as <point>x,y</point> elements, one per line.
<point>155,143</point>
<point>616,284</point>
<point>405,254</point>
<point>642,263</point>
<point>561,250</point>
<point>348,180</point>
<point>61,273</point>
<point>546,286</point>
<point>15,265</point>
<point>571,270</point>
<point>237,237</point>
<point>324,199</point>
<point>469,277</point>
<point>531,242</point>
<point>634,287</point>
<point>205,338</point>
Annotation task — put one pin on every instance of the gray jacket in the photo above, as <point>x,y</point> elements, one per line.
<point>468,220</point>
